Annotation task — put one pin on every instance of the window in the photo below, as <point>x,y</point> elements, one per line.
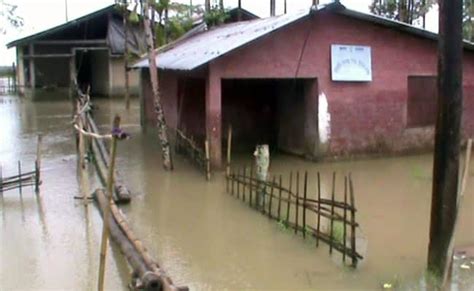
<point>421,103</point>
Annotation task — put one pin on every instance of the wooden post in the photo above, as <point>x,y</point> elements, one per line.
<point>304,202</point>
<point>245,184</point>
<point>290,188</point>
<point>279,197</point>
<point>105,228</point>
<point>353,223</point>
<point>238,183</point>
<point>208,161</point>
<point>126,55</point>
<point>297,200</point>
<point>232,182</point>
<point>19,175</point>
<point>229,148</point>
<point>1,179</point>
<point>272,7</point>
<point>38,163</point>
<point>344,231</point>
<point>319,211</point>
<point>82,148</point>
<point>331,231</point>
<point>447,138</point>
<point>271,198</point>
<point>31,62</point>
<point>251,188</point>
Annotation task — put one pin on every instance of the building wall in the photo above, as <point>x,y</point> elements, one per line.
<point>362,117</point>
<point>117,78</point>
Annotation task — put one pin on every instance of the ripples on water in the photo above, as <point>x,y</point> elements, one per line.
<point>203,237</point>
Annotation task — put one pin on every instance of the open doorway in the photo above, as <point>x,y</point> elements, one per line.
<point>279,112</point>
<point>92,69</point>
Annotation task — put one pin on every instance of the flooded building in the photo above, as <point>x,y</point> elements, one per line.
<point>324,82</point>
<point>90,48</point>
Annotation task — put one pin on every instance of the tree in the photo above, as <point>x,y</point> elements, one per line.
<point>161,121</point>
<point>407,11</point>
<point>8,16</point>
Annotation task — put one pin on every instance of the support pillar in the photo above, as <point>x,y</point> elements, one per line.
<point>32,67</point>
<point>214,118</point>
<point>311,134</point>
<point>20,70</point>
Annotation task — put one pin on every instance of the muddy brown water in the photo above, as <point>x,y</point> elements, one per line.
<point>203,237</point>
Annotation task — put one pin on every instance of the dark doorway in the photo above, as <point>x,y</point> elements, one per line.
<point>83,69</point>
<point>278,112</point>
<point>92,69</point>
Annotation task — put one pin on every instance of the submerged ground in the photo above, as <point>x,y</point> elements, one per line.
<point>203,237</point>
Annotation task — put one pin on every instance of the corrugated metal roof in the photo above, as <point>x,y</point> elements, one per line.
<point>204,47</point>
<point>197,50</point>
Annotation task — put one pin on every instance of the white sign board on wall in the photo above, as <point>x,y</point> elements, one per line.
<point>351,63</point>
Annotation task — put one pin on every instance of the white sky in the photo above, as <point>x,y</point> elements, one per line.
<point>39,15</point>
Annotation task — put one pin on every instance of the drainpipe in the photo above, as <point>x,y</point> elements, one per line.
<point>272,8</point>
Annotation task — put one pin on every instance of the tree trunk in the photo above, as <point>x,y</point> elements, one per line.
<point>272,8</point>
<point>125,55</point>
<point>207,6</point>
<point>221,4</point>
<point>161,122</point>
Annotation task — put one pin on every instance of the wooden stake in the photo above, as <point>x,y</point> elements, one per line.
<point>82,148</point>
<point>344,233</point>
<point>251,188</point>
<point>297,200</point>
<point>208,161</point>
<point>19,174</point>
<point>1,179</point>
<point>319,211</point>
<point>105,228</point>
<point>238,183</point>
<point>331,231</point>
<point>353,223</point>
<point>279,198</point>
<point>289,199</point>
<point>38,162</point>
<point>271,198</point>
<point>304,202</point>
<point>245,183</point>
<point>229,148</point>
<point>232,182</point>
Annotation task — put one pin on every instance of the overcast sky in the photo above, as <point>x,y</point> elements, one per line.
<point>43,14</point>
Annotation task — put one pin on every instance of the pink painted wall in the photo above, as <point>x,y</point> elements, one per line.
<point>365,117</point>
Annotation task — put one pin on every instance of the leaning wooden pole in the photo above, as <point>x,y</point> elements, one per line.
<point>105,228</point>
<point>447,138</point>
<point>161,121</point>
<point>126,54</point>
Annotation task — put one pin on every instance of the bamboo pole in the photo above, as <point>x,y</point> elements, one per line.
<point>208,161</point>
<point>238,183</point>
<point>271,198</point>
<point>289,199</point>
<point>305,187</point>
<point>466,168</point>
<point>229,149</point>
<point>244,185</point>
<point>80,124</point>
<point>251,188</point>
<point>105,228</point>
<point>19,173</point>
<point>344,232</point>
<point>297,200</point>
<point>232,184</point>
<point>279,197</point>
<point>353,225</point>
<point>38,163</point>
<point>318,231</point>
<point>331,231</point>
<point>1,179</point>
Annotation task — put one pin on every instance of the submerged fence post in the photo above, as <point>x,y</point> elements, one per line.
<point>105,228</point>
<point>19,175</point>
<point>319,211</point>
<point>1,179</point>
<point>305,186</point>
<point>271,198</point>
<point>331,231</point>
<point>297,200</point>
<point>289,199</point>
<point>279,197</point>
<point>251,186</point>
<point>229,149</point>
<point>38,163</point>
<point>262,161</point>
<point>244,185</point>
<point>353,223</point>
<point>208,161</point>
<point>344,231</point>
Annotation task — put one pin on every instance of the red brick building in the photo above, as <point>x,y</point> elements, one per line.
<point>325,82</point>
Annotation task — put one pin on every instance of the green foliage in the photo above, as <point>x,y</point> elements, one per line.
<point>9,17</point>
<point>407,11</point>
<point>215,16</point>
<point>468,25</point>
<point>338,231</point>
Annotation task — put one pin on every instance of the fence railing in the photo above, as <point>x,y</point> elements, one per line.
<point>188,147</point>
<point>334,221</point>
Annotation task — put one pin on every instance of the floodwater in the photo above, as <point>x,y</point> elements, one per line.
<point>203,237</point>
